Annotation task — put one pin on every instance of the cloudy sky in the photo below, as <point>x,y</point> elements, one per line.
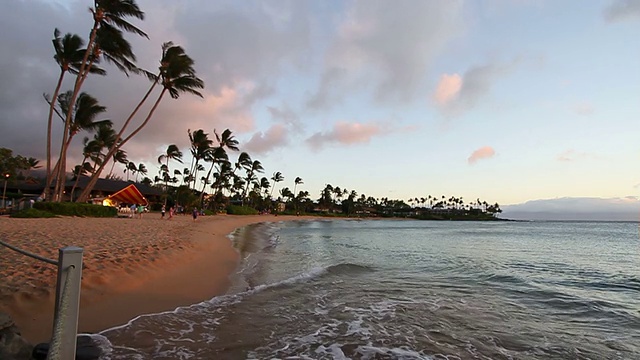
<point>509,101</point>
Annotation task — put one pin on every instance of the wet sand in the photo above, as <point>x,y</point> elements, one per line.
<point>132,266</point>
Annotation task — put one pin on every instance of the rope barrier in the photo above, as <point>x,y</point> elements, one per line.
<point>54,349</point>
<point>32,255</point>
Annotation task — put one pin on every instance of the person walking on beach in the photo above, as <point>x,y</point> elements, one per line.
<point>195,213</point>
<point>171,211</point>
<point>133,208</point>
<point>164,209</point>
<point>140,210</point>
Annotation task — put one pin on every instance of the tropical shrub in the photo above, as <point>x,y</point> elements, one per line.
<point>77,209</point>
<point>241,210</point>
<point>32,213</point>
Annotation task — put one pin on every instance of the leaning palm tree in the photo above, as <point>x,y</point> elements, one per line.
<point>68,55</point>
<point>176,76</point>
<point>106,40</point>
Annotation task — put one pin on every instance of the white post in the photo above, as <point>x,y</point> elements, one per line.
<point>65,327</point>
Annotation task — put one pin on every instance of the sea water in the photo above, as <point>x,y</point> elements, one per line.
<point>390,289</point>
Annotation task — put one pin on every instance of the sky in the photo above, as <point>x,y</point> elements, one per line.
<point>506,101</point>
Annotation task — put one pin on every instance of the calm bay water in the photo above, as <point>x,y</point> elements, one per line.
<point>385,289</point>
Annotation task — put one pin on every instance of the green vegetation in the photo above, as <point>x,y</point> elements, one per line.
<point>73,209</point>
<point>241,210</point>
<point>33,213</point>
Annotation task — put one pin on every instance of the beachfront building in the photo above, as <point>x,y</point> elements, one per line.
<point>107,187</point>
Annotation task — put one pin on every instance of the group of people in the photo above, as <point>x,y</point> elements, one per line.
<point>172,212</point>
<point>136,210</point>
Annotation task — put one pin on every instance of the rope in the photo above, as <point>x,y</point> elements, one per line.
<point>32,255</point>
<point>58,328</point>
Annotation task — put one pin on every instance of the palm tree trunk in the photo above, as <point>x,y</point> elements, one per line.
<point>94,178</point>
<point>52,106</point>
<point>112,166</point>
<point>116,145</point>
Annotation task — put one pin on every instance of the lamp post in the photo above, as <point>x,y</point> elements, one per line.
<point>4,192</point>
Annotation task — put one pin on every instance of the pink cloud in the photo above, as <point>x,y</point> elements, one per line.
<point>484,152</point>
<point>274,137</point>
<point>448,88</point>
<point>345,133</point>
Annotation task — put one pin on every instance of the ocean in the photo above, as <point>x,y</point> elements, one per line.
<point>395,289</point>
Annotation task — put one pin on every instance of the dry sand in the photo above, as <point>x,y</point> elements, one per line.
<point>132,266</point>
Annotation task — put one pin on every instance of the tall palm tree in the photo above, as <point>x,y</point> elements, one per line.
<point>277,177</point>
<point>218,154</point>
<point>68,54</point>
<point>200,146</point>
<point>107,41</point>
<point>172,153</point>
<point>177,76</point>
<point>255,167</point>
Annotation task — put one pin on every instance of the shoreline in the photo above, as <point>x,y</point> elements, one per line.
<point>134,267</point>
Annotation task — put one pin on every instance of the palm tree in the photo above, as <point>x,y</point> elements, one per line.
<point>218,154</point>
<point>297,182</point>
<point>255,167</point>
<point>68,55</point>
<point>106,40</point>
<point>177,76</point>
<point>200,145</point>
<point>277,177</point>
<point>141,170</point>
<point>172,153</point>
<point>84,114</point>
<point>119,157</point>
<point>131,167</point>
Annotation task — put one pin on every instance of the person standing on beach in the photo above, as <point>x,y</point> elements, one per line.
<point>164,209</point>
<point>133,208</point>
<point>171,211</point>
<point>195,213</point>
<point>140,210</point>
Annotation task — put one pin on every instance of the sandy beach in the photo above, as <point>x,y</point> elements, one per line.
<point>132,266</point>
